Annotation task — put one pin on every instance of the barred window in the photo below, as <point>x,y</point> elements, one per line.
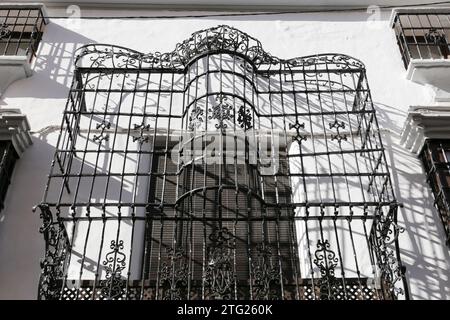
<point>8,160</point>
<point>423,35</point>
<point>218,171</point>
<point>21,30</point>
<point>435,158</point>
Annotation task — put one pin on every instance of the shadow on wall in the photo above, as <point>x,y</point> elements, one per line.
<point>53,66</point>
<point>422,244</point>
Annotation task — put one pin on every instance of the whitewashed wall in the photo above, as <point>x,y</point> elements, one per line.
<point>42,98</point>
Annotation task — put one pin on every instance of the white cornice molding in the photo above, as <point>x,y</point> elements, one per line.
<point>425,122</point>
<point>14,127</point>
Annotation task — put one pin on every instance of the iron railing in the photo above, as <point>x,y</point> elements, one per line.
<point>423,35</point>
<point>435,157</point>
<point>218,171</point>
<point>21,30</point>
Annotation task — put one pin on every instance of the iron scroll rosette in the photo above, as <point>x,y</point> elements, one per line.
<point>5,31</point>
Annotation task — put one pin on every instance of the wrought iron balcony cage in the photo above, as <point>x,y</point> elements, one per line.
<point>138,204</point>
<point>21,30</point>
<point>423,35</point>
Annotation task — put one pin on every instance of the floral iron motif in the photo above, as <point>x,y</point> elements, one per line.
<point>196,118</point>
<point>245,118</point>
<point>326,261</point>
<point>219,276</point>
<point>174,275</point>
<point>266,275</point>
<point>221,112</point>
<point>115,263</point>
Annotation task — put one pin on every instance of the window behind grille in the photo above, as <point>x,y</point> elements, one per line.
<point>437,166</point>
<point>229,199</point>
<point>8,160</point>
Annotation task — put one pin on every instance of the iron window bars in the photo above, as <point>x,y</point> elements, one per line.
<point>7,161</point>
<point>423,36</point>
<point>21,30</point>
<point>435,157</point>
<point>217,171</point>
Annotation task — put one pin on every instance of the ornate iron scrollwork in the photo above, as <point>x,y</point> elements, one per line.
<point>5,31</point>
<point>384,234</point>
<point>244,118</point>
<point>174,275</point>
<point>56,250</point>
<point>266,275</point>
<point>221,112</point>
<point>115,263</point>
<point>196,118</point>
<point>218,38</point>
<point>219,275</point>
<point>436,37</point>
<point>326,261</point>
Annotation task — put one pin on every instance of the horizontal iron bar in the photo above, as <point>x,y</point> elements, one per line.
<point>175,70</point>
<point>257,91</point>
<point>157,174</point>
<point>246,219</point>
<point>325,153</point>
<point>335,204</point>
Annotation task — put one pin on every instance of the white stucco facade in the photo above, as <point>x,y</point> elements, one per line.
<point>367,37</point>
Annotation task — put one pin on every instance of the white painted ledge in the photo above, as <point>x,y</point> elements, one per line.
<point>13,68</point>
<point>425,122</point>
<point>434,73</point>
<point>14,127</point>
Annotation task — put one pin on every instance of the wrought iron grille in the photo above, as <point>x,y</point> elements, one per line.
<point>218,171</point>
<point>435,157</point>
<point>423,35</point>
<point>7,161</point>
<point>21,30</point>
